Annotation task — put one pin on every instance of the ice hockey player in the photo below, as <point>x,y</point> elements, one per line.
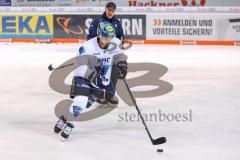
<point>96,80</point>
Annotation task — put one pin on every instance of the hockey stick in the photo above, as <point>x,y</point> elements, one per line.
<point>50,67</point>
<point>157,141</point>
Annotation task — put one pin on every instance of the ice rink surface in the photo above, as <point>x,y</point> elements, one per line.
<point>206,80</point>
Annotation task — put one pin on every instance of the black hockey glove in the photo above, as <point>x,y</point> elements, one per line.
<point>122,68</point>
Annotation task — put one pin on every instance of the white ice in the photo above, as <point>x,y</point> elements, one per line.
<point>206,79</point>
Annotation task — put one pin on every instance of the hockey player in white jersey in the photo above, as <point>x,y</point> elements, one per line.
<point>96,80</point>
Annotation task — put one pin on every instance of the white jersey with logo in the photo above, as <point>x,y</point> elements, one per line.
<point>91,47</point>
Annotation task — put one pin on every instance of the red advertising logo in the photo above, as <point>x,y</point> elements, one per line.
<point>186,3</point>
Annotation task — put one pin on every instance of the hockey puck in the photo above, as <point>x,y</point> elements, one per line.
<point>159,150</point>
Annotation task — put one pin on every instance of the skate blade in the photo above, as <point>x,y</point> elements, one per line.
<point>54,133</point>
<point>63,139</point>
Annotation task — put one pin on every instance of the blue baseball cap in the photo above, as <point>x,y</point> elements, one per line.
<point>111,5</point>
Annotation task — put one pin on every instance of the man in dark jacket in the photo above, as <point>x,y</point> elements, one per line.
<point>108,15</point>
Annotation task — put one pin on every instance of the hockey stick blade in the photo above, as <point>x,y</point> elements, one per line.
<point>50,67</point>
<point>160,140</point>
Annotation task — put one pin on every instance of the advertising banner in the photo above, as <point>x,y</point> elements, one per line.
<point>37,3</point>
<point>195,26</point>
<point>178,3</point>
<point>76,26</point>
<point>26,26</point>
<point>5,2</point>
<point>128,3</point>
<point>134,26</point>
<point>95,3</point>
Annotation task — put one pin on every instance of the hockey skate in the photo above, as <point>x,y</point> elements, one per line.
<point>67,130</point>
<point>60,124</point>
